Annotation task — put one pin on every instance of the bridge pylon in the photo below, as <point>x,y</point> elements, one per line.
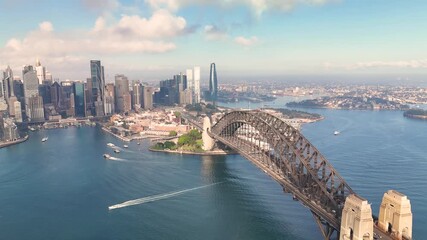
<point>356,222</point>
<point>208,141</point>
<point>395,215</point>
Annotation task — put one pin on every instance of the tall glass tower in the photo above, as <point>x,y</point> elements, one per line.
<point>213,84</point>
<point>98,85</point>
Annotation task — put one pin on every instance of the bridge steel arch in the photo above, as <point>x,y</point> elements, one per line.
<point>289,158</point>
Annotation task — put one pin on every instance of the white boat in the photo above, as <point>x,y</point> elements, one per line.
<point>32,129</point>
<point>125,146</point>
<point>110,144</point>
<point>45,139</point>
<point>107,156</point>
<point>138,143</point>
<point>336,133</point>
<point>116,150</point>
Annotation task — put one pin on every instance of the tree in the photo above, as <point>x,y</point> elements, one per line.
<point>184,139</point>
<point>170,145</point>
<point>173,133</point>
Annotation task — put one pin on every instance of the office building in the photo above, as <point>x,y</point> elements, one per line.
<point>110,99</point>
<point>6,85</point>
<point>41,72</point>
<point>98,86</point>
<point>79,99</point>
<point>122,93</point>
<point>33,101</point>
<point>213,84</point>
<point>147,97</point>
<point>196,76</point>
<point>137,95</point>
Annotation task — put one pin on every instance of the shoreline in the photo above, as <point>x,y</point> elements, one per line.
<point>209,153</point>
<point>411,116</point>
<point>21,140</point>
<point>125,139</point>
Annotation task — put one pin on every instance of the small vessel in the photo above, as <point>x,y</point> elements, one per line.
<point>107,156</point>
<point>32,129</point>
<point>110,144</point>
<point>125,146</point>
<point>45,139</point>
<point>138,143</point>
<point>116,150</point>
<point>336,133</point>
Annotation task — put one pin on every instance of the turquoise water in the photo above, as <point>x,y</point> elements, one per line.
<point>62,189</point>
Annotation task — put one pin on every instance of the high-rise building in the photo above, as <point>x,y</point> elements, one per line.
<point>213,84</point>
<point>79,99</point>
<point>49,78</point>
<point>196,76</point>
<point>98,86</point>
<point>122,93</point>
<point>17,111</point>
<point>41,72</point>
<point>147,97</point>
<point>7,84</point>
<point>137,95</point>
<point>55,95</point>
<point>33,102</point>
<point>110,99</point>
<point>18,89</point>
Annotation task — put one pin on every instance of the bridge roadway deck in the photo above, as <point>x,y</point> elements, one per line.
<point>246,151</point>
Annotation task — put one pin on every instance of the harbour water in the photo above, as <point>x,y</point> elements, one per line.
<point>63,188</point>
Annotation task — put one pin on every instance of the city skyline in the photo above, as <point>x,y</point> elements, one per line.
<point>247,38</point>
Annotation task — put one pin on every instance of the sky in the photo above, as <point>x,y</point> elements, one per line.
<point>151,40</point>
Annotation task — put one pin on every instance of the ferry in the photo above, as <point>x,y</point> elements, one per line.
<point>45,139</point>
<point>116,150</point>
<point>336,133</point>
<point>110,144</point>
<point>107,156</point>
<point>125,146</point>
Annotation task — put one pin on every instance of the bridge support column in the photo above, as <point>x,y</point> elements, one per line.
<point>356,222</point>
<point>208,142</point>
<point>395,215</point>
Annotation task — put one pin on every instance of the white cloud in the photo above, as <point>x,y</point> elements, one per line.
<point>247,42</point>
<point>212,32</point>
<point>258,6</point>
<point>130,34</point>
<point>46,27</point>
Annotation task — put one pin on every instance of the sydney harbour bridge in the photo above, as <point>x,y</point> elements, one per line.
<point>284,154</point>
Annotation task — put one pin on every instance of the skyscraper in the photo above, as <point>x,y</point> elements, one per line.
<point>41,72</point>
<point>137,95</point>
<point>122,93</point>
<point>33,101</point>
<point>190,79</point>
<point>7,84</point>
<point>98,86</point>
<point>147,98</point>
<point>196,76</point>
<point>110,99</point>
<point>213,84</point>
<point>79,99</point>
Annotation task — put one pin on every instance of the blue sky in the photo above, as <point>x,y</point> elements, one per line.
<point>152,39</point>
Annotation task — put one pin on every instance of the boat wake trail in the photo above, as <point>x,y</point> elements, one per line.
<point>157,197</point>
<point>118,159</point>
